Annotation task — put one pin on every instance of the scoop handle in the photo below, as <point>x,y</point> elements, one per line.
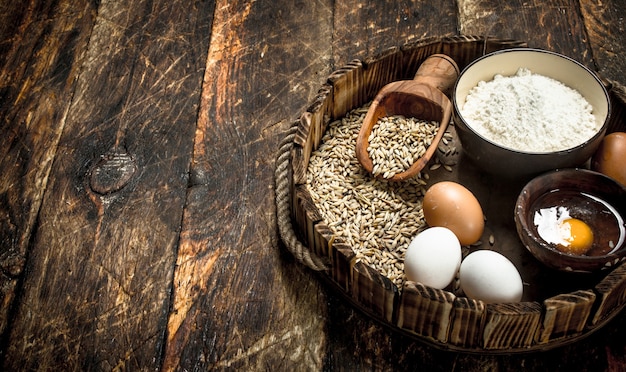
<point>439,71</point>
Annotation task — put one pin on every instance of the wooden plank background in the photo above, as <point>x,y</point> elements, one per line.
<point>137,218</point>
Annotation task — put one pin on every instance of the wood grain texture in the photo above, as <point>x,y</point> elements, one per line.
<point>41,51</point>
<point>378,294</point>
<point>611,292</point>
<point>363,29</point>
<point>605,23</point>
<point>554,25</point>
<point>566,315</point>
<point>237,304</point>
<point>96,293</point>
<point>510,325</point>
<point>426,311</point>
<point>467,320</point>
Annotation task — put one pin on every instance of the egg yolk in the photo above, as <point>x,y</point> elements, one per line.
<point>579,238</point>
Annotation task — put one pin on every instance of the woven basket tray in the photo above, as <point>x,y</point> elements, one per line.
<point>557,308</point>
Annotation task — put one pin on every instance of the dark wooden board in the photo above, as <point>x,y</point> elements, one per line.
<point>97,286</point>
<point>41,50</point>
<point>363,29</point>
<point>605,24</point>
<point>237,303</point>
<point>552,25</point>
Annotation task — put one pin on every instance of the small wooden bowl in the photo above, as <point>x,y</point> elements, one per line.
<point>555,310</point>
<point>572,188</point>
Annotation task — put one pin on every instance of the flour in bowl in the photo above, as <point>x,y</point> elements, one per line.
<point>529,112</point>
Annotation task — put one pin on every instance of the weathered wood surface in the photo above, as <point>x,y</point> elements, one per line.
<point>96,287</point>
<point>137,225</point>
<point>41,49</point>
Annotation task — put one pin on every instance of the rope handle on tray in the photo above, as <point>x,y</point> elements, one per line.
<point>283,197</point>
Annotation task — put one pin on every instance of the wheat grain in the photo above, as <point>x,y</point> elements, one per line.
<point>375,217</point>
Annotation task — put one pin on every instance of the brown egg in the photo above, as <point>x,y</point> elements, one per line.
<point>449,204</point>
<point>610,158</point>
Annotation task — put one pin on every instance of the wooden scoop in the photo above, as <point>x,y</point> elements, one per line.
<point>423,98</point>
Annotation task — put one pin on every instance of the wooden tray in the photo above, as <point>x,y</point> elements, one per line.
<point>557,308</point>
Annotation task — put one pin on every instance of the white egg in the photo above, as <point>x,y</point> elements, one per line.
<point>489,276</point>
<point>433,257</point>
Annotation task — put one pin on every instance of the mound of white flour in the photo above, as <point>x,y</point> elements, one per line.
<point>529,112</point>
